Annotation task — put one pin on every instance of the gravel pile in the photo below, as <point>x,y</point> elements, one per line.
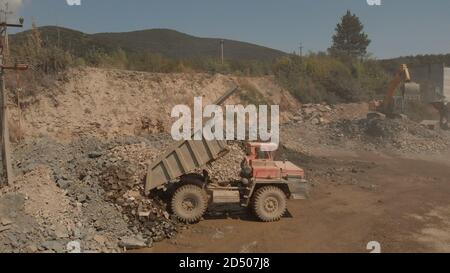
<point>18,230</point>
<point>89,194</point>
<point>402,135</point>
<point>122,178</point>
<point>316,114</point>
<point>228,167</point>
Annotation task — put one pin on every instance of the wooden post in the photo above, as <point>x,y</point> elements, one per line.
<point>4,130</point>
<point>4,133</point>
<point>6,149</point>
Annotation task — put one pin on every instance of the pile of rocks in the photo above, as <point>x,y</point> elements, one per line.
<point>66,195</point>
<point>316,114</point>
<point>228,167</point>
<point>400,134</point>
<point>90,193</point>
<point>122,177</point>
<point>17,227</point>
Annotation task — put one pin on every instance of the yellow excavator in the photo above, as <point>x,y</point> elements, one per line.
<point>387,107</point>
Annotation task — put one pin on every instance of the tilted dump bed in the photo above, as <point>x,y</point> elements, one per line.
<point>183,158</point>
<point>186,156</point>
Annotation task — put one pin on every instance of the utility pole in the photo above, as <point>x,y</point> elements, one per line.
<point>301,50</point>
<point>4,130</point>
<point>58,43</point>
<point>5,12</point>
<point>59,38</point>
<point>222,44</point>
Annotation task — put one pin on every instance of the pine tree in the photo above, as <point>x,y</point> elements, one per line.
<point>350,38</point>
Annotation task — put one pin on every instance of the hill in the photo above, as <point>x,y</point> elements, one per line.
<point>169,43</point>
<point>392,65</point>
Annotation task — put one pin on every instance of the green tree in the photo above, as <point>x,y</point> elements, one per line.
<point>350,38</point>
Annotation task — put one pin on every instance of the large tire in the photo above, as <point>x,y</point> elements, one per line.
<point>270,204</point>
<point>189,203</point>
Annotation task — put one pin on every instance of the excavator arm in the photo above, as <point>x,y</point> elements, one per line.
<point>402,75</point>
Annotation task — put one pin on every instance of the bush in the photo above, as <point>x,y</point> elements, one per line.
<point>322,77</point>
<point>46,59</point>
<point>250,94</point>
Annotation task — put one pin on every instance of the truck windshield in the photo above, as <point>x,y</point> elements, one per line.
<point>262,154</point>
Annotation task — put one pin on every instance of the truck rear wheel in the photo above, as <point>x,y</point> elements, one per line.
<point>189,203</point>
<point>270,204</point>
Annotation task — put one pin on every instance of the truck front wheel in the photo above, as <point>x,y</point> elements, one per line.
<point>270,204</point>
<point>189,203</point>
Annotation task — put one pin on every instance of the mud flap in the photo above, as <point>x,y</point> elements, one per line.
<point>299,189</point>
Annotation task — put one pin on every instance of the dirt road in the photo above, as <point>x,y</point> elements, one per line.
<point>401,203</point>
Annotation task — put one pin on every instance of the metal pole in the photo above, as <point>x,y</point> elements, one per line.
<point>221,50</point>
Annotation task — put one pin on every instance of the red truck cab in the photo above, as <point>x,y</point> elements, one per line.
<point>261,159</point>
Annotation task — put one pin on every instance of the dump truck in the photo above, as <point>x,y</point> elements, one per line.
<point>265,185</point>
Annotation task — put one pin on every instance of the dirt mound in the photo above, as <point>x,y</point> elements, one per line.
<point>400,134</point>
<point>323,114</point>
<point>345,128</point>
<point>122,176</point>
<point>105,103</point>
<point>67,193</point>
<point>16,226</point>
<point>91,192</point>
<point>45,200</point>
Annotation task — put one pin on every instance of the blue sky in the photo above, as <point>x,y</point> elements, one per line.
<point>397,28</point>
